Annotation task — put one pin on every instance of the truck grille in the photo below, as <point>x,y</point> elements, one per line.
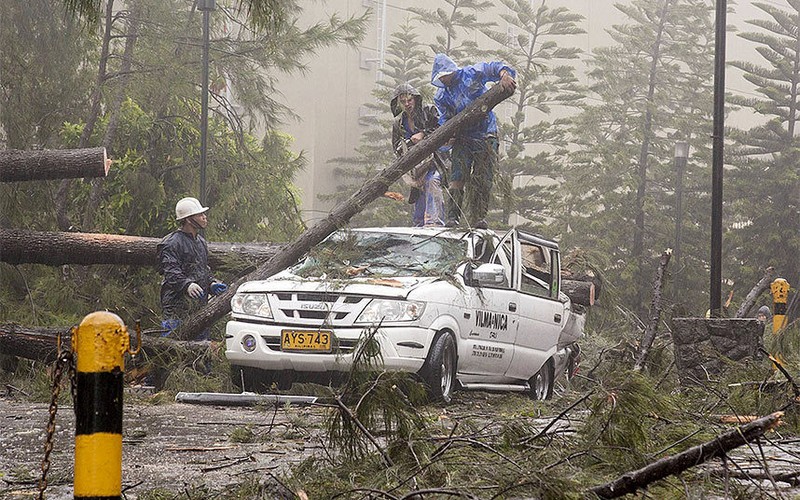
<point>317,308</point>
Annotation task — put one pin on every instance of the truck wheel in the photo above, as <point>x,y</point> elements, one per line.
<point>255,379</point>
<point>440,374</point>
<point>541,384</point>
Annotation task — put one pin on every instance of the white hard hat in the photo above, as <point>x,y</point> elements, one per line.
<point>186,207</point>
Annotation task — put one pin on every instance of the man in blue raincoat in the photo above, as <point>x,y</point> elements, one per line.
<point>475,148</point>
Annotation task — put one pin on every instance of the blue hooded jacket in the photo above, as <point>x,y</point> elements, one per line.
<point>468,84</point>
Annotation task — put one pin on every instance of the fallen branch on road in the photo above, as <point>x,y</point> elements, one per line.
<point>634,480</point>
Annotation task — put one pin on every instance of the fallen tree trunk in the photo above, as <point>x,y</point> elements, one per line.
<point>339,216</point>
<point>59,248</point>
<point>41,343</point>
<point>755,292</point>
<point>667,466</point>
<point>651,330</point>
<point>579,292</point>
<point>47,164</point>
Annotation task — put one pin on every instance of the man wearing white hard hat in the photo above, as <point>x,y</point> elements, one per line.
<point>183,261</point>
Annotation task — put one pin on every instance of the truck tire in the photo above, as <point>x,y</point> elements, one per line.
<point>440,372</point>
<point>255,379</point>
<point>541,384</point>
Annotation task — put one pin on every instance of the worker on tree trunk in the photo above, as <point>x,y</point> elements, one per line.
<point>183,261</point>
<point>475,148</point>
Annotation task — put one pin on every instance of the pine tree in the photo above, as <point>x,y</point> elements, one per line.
<point>546,83</point>
<point>764,223</point>
<point>405,63</point>
<point>653,87</point>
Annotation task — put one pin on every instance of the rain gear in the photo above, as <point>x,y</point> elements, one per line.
<point>468,84</point>
<point>183,259</point>
<point>425,179</point>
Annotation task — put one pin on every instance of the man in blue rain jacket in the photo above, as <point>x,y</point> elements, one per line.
<point>475,148</point>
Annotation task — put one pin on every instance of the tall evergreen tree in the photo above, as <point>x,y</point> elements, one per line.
<point>406,62</point>
<point>454,25</point>
<point>653,88</point>
<point>764,223</point>
<point>534,143</point>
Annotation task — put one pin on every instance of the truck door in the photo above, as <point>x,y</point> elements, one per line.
<point>487,348</point>
<point>541,313</point>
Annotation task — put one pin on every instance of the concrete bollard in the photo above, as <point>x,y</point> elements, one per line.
<point>100,343</point>
<point>780,294</point>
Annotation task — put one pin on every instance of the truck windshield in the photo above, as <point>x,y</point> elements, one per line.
<point>348,254</point>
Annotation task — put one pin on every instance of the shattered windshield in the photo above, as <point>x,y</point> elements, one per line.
<point>349,254</point>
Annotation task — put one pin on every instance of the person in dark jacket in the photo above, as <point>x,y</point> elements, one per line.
<point>475,148</point>
<point>183,261</point>
<point>413,122</point>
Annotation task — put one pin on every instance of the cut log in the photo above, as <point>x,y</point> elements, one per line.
<point>41,343</point>
<point>650,332</point>
<point>47,164</point>
<point>755,292</point>
<point>579,292</point>
<point>632,481</point>
<point>57,248</point>
<point>341,214</point>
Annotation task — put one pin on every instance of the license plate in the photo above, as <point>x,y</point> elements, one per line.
<point>306,340</point>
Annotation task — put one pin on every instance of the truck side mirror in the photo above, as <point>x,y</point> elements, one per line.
<point>491,275</point>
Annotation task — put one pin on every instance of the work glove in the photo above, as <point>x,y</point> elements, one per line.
<point>218,288</point>
<point>195,291</point>
<point>169,326</point>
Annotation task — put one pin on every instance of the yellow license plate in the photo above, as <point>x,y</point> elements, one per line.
<point>306,340</point>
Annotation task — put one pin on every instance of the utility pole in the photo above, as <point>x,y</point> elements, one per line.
<point>206,6</point>
<point>717,160</point>
<point>681,157</point>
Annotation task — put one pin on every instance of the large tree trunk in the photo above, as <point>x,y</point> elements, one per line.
<point>55,248</point>
<point>46,164</point>
<point>631,481</point>
<point>41,344</point>
<point>340,215</point>
<point>579,292</point>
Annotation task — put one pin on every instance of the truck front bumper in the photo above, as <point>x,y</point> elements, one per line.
<point>403,348</point>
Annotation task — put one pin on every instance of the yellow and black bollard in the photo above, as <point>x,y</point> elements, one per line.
<point>100,343</point>
<point>780,294</point>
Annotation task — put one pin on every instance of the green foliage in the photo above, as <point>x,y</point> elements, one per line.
<point>380,401</point>
<point>765,179</point>
<point>653,87</point>
<point>533,43</point>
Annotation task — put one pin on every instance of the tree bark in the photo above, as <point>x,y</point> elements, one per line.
<point>41,344</point>
<point>46,164</point>
<point>655,312</point>
<point>19,246</point>
<point>579,292</point>
<point>340,215</point>
<point>631,481</point>
<point>757,290</point>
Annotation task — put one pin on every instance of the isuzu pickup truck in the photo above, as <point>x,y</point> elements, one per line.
<point>463,309</point>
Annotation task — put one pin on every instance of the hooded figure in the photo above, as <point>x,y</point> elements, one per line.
<point>764,314</point>
<point>475,150</point>
<point>412,123</point>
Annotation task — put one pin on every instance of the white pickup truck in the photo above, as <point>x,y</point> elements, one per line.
<point>462,309</point>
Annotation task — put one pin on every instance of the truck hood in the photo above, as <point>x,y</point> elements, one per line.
<point>396,287</point>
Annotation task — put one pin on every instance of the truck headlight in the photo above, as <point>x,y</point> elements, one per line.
<point>391,310</point>
<point>252,304</point>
